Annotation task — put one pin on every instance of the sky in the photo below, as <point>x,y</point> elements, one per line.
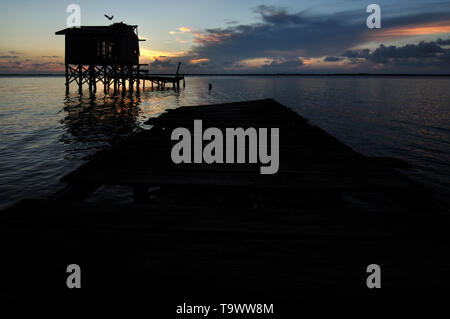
<point>241,36</point>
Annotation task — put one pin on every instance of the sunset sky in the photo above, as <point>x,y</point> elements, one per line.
<point>242,36</point>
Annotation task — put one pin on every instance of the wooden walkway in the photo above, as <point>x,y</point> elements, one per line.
<point>310,158</point>
<point>160,81</point>
<point>225,231</point>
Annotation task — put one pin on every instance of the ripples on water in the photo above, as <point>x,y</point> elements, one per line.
<point>46,134</point>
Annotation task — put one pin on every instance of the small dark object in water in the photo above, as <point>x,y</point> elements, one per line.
<point>209,88</point>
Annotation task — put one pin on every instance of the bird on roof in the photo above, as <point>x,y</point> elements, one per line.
<point>109,17</point>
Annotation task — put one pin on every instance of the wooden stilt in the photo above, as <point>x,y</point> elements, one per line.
<point>80,78</point>
<point>91,76</point>
<point>95,80</point>
<point>67,78</point>
<point>138,82</point>
<point>115,78</point>
<point>122,74</point>
<point>104,79</point>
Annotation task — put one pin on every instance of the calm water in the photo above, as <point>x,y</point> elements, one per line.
<point>45,134</point>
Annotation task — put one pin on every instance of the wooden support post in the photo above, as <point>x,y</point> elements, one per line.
<point>95,79</point>
<point>184,83</point>
<point>80,78</point>
<point>178,69</point>
<point>122,74</point>
<point>91,77</point>
<point>115,78</point>
<point>104,79</point>
<point>138,81</point>
<point>67,78</point>
<point>130,78</point>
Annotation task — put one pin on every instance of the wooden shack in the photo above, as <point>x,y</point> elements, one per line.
<point>114,44</point>
<point>107,54</point>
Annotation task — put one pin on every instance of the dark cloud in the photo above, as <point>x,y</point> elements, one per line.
<point>443,42</point>
<point>364,53</point>
<point>283,33</point>
<point>291,35</point>
<point>278,64</point>
<point>385,54</point>
<point>427,55</point>
<point>423,50</point>
<point>51,56</point>
<point>8,56</point>
<point>169,65</point>
<point>162,64</point>
<point>333,59</point>
<point>230,22</point>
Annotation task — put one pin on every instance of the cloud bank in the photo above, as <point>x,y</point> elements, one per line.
<point>283,42</point>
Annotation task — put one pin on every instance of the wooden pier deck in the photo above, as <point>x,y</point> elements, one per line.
<point>215,231</point>
<point>160,81</point>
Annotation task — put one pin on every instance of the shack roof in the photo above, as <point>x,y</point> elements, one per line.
<point>110,29</point>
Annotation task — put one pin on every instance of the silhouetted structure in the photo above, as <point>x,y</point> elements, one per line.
<point>106,54</point>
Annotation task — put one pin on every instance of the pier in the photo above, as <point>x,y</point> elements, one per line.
<point>213,231</point>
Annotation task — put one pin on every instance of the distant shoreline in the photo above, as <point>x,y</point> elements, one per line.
<point>252,74</point>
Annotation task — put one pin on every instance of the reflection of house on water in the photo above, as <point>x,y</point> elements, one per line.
<point>92,123</point>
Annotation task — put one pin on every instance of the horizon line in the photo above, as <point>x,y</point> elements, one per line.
<point>255,74</point>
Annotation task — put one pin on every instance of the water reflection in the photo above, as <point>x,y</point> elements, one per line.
<point>95,122</point>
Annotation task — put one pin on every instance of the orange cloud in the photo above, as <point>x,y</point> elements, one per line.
<point>210,37</point>
<point>184,29</point>
<point>195,61</point>
<point>152,55</point>
<point>254,62</point>
<point>410,31</point>
<point>307,61</point>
